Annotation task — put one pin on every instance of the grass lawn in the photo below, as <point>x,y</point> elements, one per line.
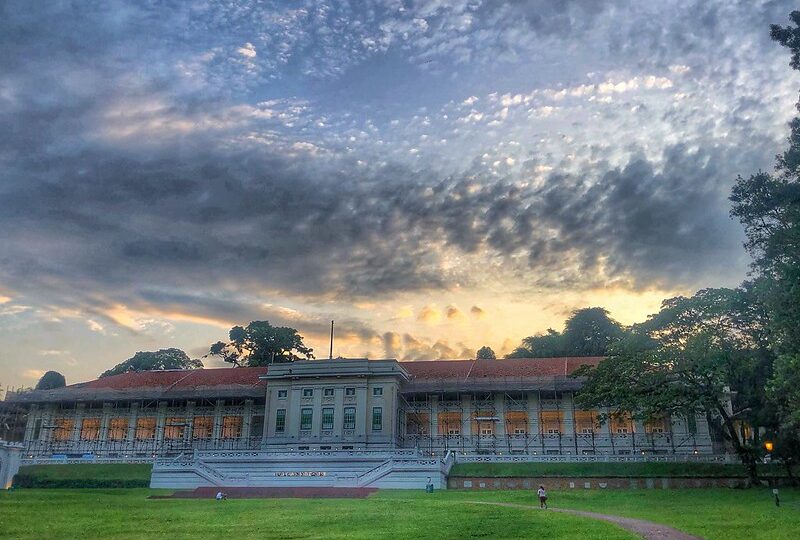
<point>94,475</point>
<point>127,513</point>
<point>711,513</point>
<point>107,471</point>
<point>600,469</point>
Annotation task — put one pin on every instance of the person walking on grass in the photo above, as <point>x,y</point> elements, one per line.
<point>542,497</point>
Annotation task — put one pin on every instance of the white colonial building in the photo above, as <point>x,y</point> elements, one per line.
<point>343,422</point>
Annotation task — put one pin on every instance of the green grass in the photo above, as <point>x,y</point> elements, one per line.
<point>89,475</point>
<point>714,514</point>
<point>127,513</point>
<point>90,471</point>
<point>599,469</point>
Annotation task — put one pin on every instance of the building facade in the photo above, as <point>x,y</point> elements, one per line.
<point>519,406</point>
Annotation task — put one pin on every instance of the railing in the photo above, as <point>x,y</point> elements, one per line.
<point>686,458</point>
<point>127,450</point>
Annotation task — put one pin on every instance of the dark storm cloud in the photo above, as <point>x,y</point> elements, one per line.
<point>91,212</point>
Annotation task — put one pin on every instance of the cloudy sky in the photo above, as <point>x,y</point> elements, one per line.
<point>434,175</point>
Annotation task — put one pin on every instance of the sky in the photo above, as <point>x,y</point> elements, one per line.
<point>433,175</point>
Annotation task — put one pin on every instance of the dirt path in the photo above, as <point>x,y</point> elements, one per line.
<point>645,529</point>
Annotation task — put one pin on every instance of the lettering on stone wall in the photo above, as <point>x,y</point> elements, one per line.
<point>301,473</point>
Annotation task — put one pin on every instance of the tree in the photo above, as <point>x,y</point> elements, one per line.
<point>693,357</point>
<point>768,206</point>
<point>547,345</point>
<point>153,360</point>
<point>486,353</point>
<point>260,344</point>
<point>590,332</point>
<point>587,332</point>
<point>784,392</point>
<point>51,380</point>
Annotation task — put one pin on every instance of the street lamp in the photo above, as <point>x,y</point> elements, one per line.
<point>768,446</point>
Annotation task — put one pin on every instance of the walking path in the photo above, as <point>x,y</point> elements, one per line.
<point>645,529</point>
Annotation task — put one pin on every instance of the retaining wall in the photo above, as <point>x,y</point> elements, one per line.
<point>532,483</point>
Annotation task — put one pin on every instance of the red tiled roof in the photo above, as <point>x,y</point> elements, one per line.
<point>498,369</point>
<point>420,370</point>
<point>179,379</point>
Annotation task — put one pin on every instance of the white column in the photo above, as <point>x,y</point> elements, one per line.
<point>534,430</point>
<point>218,409</point>
<point>79,414</point>
<point>433,427</point>
<point>466,416</point>
<point>104,420</point>
<point>161,419</point>
<point>188,433</point>
<point>568,429</point>
<point>500,408</point>
<point>132,416</point>
<point>248,419</point>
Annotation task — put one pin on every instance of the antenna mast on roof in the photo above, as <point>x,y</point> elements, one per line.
<point>330,356</point>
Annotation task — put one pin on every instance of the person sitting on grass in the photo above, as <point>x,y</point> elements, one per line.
<point>542,497</point>
<point>221,496</point>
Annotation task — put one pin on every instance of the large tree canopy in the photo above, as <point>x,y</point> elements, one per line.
<point>686,360</point>
<point>768,206</point>
<point>51,380</point>
<point>587,332</point>
<point>153,360</point>
<point>260,344</point>
<point>485,353</point>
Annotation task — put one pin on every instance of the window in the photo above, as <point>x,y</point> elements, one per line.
<point>118,429</point>
<point>327,418</point>
<point>90,429</point>
<point>282,394</point>
<point>203,427</point>
<point>145,428</point>
<point>64,428</point>
<point>37,429</point>
<point>517,422</point>
<point>657,425</point>
<point>308,392</point>
<point>377,418</point>
<point>306,418</point>
<point>349,418</point>
<point>585,422</point>
<point>349,391</point>
<point>551,422</point>
<point>174,428</point>
<point>280,420</point>
<point>622,424</point>
<point>417,423</point>
<point>328,392</point>
<point>450,423</point>
<point>377,391</point>
<point>231,427</point>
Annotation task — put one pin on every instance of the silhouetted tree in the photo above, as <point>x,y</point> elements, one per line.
<point>51,380</point>
<point>260,343</point>
<point>152,360</point>
<point>486,353</point>
<point>587,332</point>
